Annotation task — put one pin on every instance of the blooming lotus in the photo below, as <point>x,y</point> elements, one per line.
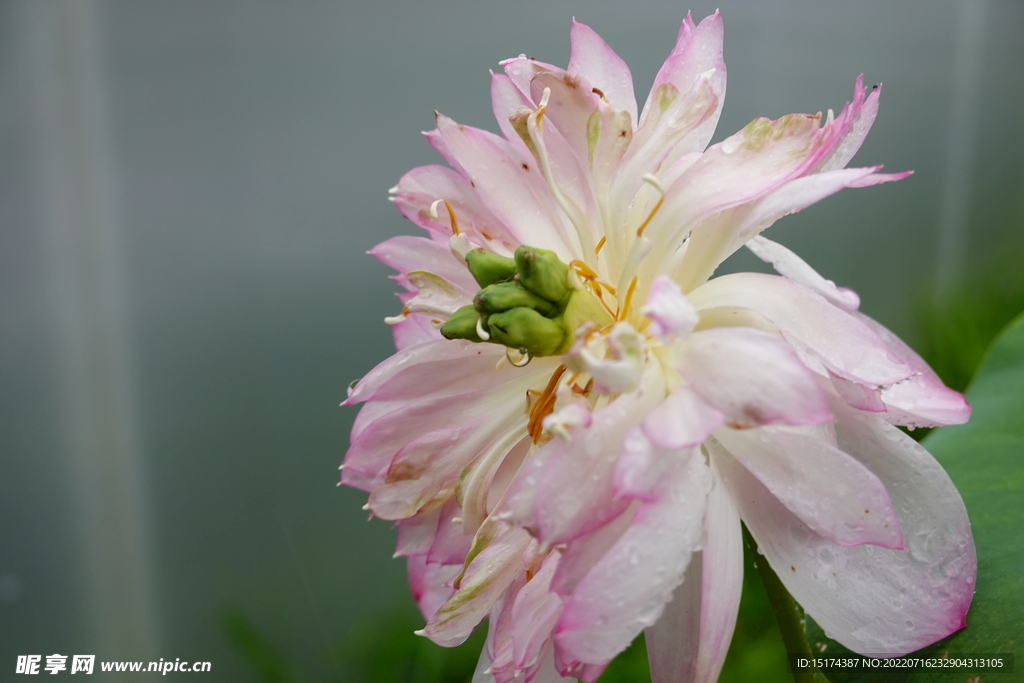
<point>579,415</point>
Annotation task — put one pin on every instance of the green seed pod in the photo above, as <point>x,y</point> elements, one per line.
<point>504,296</point>
<point>462,325</point>
<point>542,273</point>
<point>525,328</point>
<point>488,268</point>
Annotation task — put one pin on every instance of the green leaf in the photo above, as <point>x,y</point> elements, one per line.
<point>985,459</point>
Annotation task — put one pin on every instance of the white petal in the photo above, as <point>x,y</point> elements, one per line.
<point>788,264</point>
<point>690,641</point>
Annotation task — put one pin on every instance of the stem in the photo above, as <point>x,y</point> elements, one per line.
<point>789,615</point>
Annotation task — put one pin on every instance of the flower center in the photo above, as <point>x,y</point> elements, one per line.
<point>532,303</point>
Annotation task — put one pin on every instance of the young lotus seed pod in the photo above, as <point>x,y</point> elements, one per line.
<point>488,268</point>
<point>528,330</point>
<point>462,325</point>
<point>505,296</point>
<point>542,273</point>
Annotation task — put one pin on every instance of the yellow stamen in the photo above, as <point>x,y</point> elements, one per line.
<point>624,311</point>
<point>543,406</point>
<point>455,221</point>
<point>597,249</point>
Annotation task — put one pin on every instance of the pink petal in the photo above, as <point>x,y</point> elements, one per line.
<point>872,599</point>
<point>383,429</point>
<point>698,50</point>
<point>406,253</point>
<point>594,60</point>
<point>431,583</point>
<point>828,490</point>
<point>823,335</point>
<point>844,136</point>
<point>513,190</point>
<point>628,588</point>
<point>428,468</point>
<point>414,330</point>
<point>565,489</point>
<point>506,100</point>
<point>682,420</point>
<point>450,545</point>
<point>644,468</point>
<point>534,613</point>
<point>788,264</point>
<point>752,377</point>
<point>921,400</point>
<point>427,369</point>
<point>484,582</point>
<point>668,309</point>
<point>753,206</point>
<point>689,643</point>
<point>857,395</point>
<point>421,187</point>
<point>416,534</point>
<point>583,552</point>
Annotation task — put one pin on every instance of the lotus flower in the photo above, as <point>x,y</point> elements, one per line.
<point>579,416</point>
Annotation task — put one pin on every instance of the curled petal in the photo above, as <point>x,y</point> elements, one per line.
<point>823,335</point>
<point>872,599</point>
<point>616,362</point>
<point>830,491</point>
<point>921,400</point>
<point>682,420</point>
<point>670,312</point>
<point>752,377</point>
<point>408,254</point>
<point>788,264</point>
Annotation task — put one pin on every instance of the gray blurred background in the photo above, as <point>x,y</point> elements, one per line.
<point>187,190</point>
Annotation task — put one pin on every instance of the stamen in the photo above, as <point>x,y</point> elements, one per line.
<point>455,221</point>
<point>656,184</point>
<point>624,311</point>
<point>452,220</point>
<point>597,249</point>
<point>544,406</point>
<point>480,331</point>
<point>395,319</point>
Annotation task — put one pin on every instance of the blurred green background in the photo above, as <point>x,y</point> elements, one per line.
<point>187,191</point>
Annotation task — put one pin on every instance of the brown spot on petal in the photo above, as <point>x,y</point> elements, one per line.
<point>597,91</point>
<point>526,167</point>
<point>404,471</point>
<point>792,568</point>
<point>571,81</point>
